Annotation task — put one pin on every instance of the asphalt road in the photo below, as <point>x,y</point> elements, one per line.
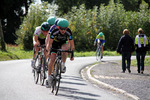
<point>16,82</point>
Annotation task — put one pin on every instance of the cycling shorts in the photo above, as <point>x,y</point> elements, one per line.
<point>42,41</point>
<point>57,45</point>
<point>101,41</point>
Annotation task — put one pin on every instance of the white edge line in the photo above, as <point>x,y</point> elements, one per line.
<point>110,86</point>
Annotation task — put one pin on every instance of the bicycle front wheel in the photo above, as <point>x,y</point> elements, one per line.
<point>42,72</point>
<point>97,54</point>
<point>57,77</point>
<point>35,71</point>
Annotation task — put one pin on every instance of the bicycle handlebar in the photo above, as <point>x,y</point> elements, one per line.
<point>69,51</point>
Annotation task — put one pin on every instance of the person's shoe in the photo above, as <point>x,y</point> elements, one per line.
<point>141,71</point>
<point>63,68</point>
<point>123,72</point>
<point>33,63</point>
<point>102,57</point>
<point>49,81</point>
<point>129,70</point>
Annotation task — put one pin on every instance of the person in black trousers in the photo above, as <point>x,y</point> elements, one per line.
<point>126,47</point>
<point>141,44</point>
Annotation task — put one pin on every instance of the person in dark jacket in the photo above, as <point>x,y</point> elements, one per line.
<point>141,43</point>
<point>126,47</point>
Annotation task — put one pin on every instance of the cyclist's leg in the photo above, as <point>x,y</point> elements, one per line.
<point>102,46</point>
<point>53,57</point>
<point>35,50</point>
<point>65,46</point>
<point>51,63</point>
<point>50,69</point>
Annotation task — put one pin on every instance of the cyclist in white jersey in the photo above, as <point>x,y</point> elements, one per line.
<point>39,37</point>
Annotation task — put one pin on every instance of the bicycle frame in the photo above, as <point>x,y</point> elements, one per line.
<point>57,71</point>
<point>40,67</point>
<point>98,52</point>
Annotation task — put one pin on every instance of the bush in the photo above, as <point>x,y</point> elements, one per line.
<point>37,14</point>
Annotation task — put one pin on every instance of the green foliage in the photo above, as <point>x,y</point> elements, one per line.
<point>37,14</point>
<point>111,20</point>
<point>85,24</point>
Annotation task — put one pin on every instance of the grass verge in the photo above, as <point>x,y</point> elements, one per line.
<point>17,52</point>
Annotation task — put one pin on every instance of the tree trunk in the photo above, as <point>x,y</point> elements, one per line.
<point>2,42</point>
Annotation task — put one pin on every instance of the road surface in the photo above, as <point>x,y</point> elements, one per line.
<point>16,82</point>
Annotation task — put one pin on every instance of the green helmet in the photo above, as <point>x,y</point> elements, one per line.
<point>51,20</point>
<point>101,34</point>
<point>63,23</point>
<point>45,26</point>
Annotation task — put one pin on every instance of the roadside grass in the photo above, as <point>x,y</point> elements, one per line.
<point>146,62</point>
<point>17,52</point>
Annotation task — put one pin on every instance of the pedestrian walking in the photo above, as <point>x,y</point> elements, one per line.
<point>141,44</point>
<point>125,47</point>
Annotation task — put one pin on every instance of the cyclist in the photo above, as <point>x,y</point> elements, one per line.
<point>39,39</point>
<point>59,39</point>
<point>100,39</point>
<point>51,20</point>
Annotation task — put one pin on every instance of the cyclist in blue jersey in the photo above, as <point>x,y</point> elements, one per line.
<point>100,39</point>
<point>59,39</point>
<point>39,37</point>
<point>54,25</point>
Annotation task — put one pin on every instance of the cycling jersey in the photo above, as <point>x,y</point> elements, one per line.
<point>38,32</point>
<point>41,37</point>
<point>102,40</point>
<point>52,28</point>
<point>60,39</point>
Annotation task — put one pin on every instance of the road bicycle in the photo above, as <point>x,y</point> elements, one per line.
<point>40,69</point>
<point>57,70</point>
<point>98,52</point>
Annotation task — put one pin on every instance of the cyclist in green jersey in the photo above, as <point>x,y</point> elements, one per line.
<point>100,39</point>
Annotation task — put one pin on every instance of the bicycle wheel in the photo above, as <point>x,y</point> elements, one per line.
<point>42,71</point>
<point>35,72</point>
<point>98,54</point>
<point>57,77</point>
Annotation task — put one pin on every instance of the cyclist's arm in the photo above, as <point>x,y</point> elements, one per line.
<point>49,44</point>
<point>72,49</point>
<point>35,40</point>
<point>47,39</point>
<point>72,45</point>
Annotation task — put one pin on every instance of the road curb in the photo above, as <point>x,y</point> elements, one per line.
<point>107,85</point>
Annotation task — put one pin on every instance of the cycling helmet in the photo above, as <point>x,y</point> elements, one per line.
<point>51,20</point>
<point>63,23</point>
<point>100,34</point>
<point>45,26</point>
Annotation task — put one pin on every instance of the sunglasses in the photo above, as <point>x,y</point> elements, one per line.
<point>63,28</point>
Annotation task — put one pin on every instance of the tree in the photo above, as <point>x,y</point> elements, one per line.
<point>2,38</point>
<point>12,13</point>
<point>38,14</point>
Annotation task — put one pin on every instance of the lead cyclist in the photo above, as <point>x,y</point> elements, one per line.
<point>60,38</point>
